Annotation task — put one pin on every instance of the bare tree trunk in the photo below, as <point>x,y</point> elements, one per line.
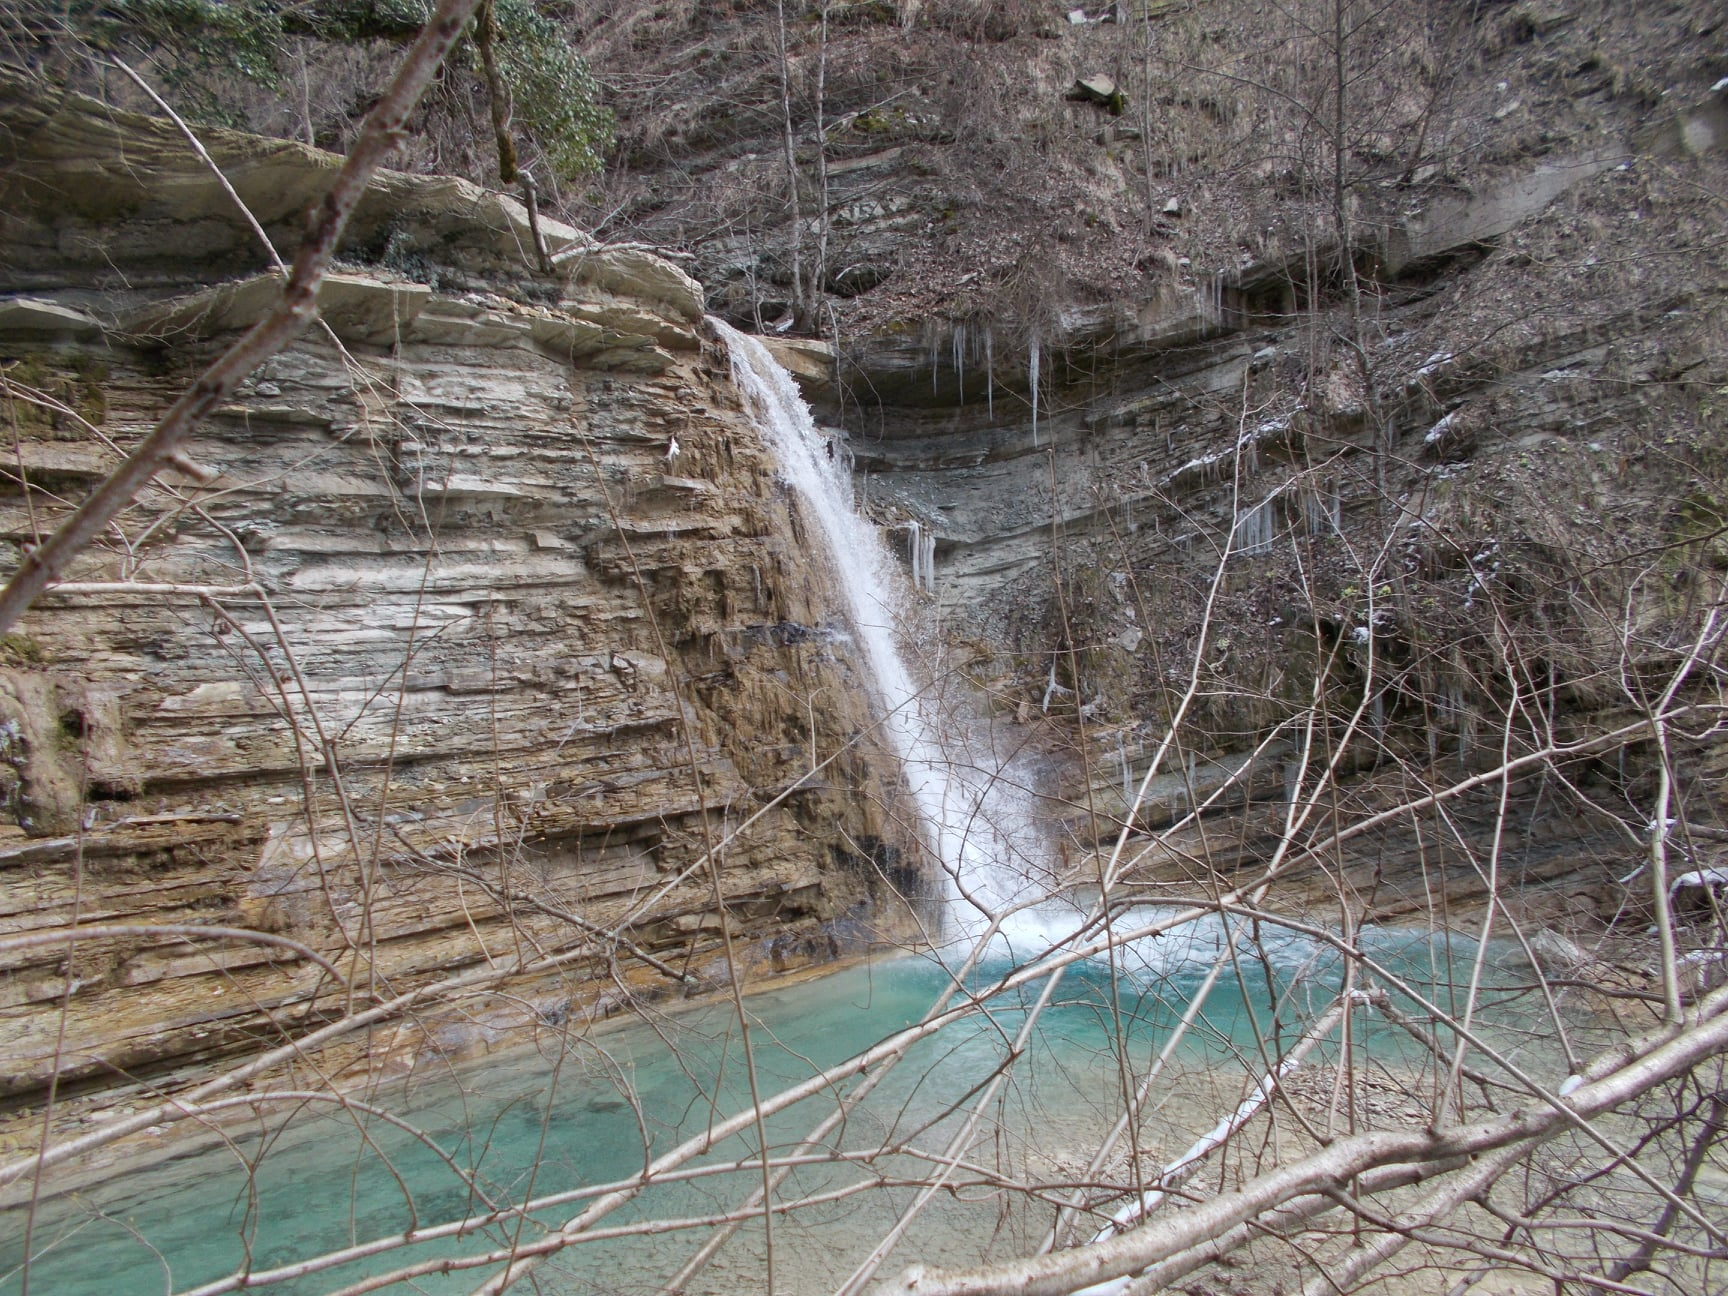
<point>819,271</point>
<point>497,95</point>
<point>800,302</point>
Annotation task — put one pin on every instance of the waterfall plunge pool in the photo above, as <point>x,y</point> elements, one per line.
<point>582,1109</point>
<point>579,1109</point>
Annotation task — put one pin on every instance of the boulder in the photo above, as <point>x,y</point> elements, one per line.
<point>1096,88</point>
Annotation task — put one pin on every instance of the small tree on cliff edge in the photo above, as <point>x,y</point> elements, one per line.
<point>214,54</point>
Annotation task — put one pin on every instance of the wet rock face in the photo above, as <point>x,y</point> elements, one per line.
<point>492,622</point>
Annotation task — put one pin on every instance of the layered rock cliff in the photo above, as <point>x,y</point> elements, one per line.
<point>1397,406</point>
<point>1368,357</point>
<point>467,634</point>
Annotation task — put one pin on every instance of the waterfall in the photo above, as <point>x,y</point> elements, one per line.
<point>979,826</point>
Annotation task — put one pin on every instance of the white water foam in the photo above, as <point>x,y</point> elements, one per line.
<point>980,825</point>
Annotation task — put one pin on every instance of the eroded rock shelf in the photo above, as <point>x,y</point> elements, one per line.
<point>494,612</point>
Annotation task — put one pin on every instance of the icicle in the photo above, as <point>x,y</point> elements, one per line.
<point>960,360</point>
<point>990,374</point>
<point>921,554</point>
<point>1127,770</point>
<point>1034,359</point>
<point>1254,528</point>
<point>1320,511</point>
<point>1455,699</point>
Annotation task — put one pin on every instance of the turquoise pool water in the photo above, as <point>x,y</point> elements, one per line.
<point>577,1111</point>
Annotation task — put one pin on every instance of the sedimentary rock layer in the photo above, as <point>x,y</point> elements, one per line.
<point>465,634</point>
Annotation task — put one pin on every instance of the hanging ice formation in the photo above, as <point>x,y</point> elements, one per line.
<point>990,374</point>
<point>921,553</point>
<point>1254,527</point>
<point>1127,769</point>
<point>1033,361</point>
<point>1321,510</point>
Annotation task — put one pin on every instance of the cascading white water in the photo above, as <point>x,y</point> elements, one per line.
<point>980,826</point>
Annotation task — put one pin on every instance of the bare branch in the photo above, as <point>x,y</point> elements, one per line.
<point>382,129</point>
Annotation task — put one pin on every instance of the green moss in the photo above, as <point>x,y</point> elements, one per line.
<point>556,95</point>
<point>21,651</point>
<point>234,35</point>
<point>75,381</point>
<point>207,42</point>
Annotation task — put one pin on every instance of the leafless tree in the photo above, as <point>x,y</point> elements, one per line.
<point>1556,1109</point>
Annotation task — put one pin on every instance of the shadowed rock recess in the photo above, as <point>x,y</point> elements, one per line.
<point>419,677</point>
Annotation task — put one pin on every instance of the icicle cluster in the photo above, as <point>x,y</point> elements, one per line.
<point>990,374</point>
<point>1254,527</point>
<point>921,553</point>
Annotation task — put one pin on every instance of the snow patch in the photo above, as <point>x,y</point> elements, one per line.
<point>1704,879</point>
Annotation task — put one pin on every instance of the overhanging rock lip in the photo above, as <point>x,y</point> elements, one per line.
<point>79,164</point>
<point>809,361</point>
<point>634,273</point>
<point>358,307</point>
<point>43,318</point>
<point>371,310</point>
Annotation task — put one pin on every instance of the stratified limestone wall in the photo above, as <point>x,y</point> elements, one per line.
<point>419,678</point>
<point>1523,463</point>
